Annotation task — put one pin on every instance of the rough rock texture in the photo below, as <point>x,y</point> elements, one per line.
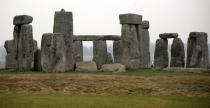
<point>130,45</point>
<point>168,35</point>
<point>177,53</point>
<point>133,64</point>
<point>130,18</point>
<point>144,41</point>
<point>11,57</point>
<point>96,37</point>
<point>109,59</point>
<point>86,66</point>
<point>161,54</point>
<point>63,23</point>
<point>99,52</point>
<point>197,50</point>
<point>22,19</point>
<point>117,51</point>
<point>113,68</point>
<point>53,58</point>
<point>78,51</point>
<point>145,24</point>
<point>25,54</point>
<point>37,60</point>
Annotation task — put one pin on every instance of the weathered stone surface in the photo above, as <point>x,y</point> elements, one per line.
<point>86,66</point>
<point>197,50</point>
<point>117,51</point>
<point>25,55</point>
<point>130,45</point>
<point>144,42</point>
<point>130,18</point>
<point>109,59</point>
<point>113,68</point>
<point>133,64</point>
<point>11,57</point>
<point>22,19</point>
<point>177,53</point>
<point>95,37</point>
<point>161,54</point>
<point>37,60</point>
<point>145,24</point>
<point>53,58</point>
<point>63,23</point>
<point>168,35</point>
<point>99,52</point>
<point>78,51</point>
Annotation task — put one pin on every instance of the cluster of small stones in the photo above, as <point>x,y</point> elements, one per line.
<point>197,51</point>
<point>22,51</point>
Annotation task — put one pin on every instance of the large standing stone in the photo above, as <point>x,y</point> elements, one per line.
<point>53,58</point>
<point>161,54</point>
<point>197,50</point>
<point>25,54</point>
<point>143,38</point>
<point>99,52</point>
<point>177,53</point>
<point>86,66</point>
<point>130,49</point>
<point>11,57</point>
<point>78,51</point>
<point>117,51</point>
<point>22,19</point>
<point>63,23</point>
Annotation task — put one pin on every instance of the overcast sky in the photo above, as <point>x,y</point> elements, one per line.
<point>102,16</point>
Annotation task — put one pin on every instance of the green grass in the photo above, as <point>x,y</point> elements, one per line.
<point>38,100</point>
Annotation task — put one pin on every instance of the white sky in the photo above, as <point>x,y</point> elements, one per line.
<point>102,16</point>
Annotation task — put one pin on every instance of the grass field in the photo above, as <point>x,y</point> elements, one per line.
<point>132,89</point>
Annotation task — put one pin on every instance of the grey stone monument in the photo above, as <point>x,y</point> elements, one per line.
<point>78,51</point>
<point>99,52</point>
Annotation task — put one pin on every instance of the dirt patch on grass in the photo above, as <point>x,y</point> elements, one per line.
<point>108,84</point>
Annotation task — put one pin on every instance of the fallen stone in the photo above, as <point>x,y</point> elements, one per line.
<point>161,58</point>
<point>53,58</point>
<point>168,35</point>
<point>130,18</point>
<point>86,66</point>
<point>63,23</point>
<point>113,68</point>
<point>22,19</point>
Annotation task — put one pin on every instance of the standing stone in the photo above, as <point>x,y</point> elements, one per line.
<point>161,54</point>
<point>197,50</point>
<point>117,51</point>
<point>99,52</point>
<point>78,51</point>
<point>109,58</point>
<point>177,53</point>
<point>143,37</point>
<point>37,60</point>
<point>11,57</point>
<point>130,49</point>
<point>25,54</point>
<point>63,23</point>
<point>53,58</point>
